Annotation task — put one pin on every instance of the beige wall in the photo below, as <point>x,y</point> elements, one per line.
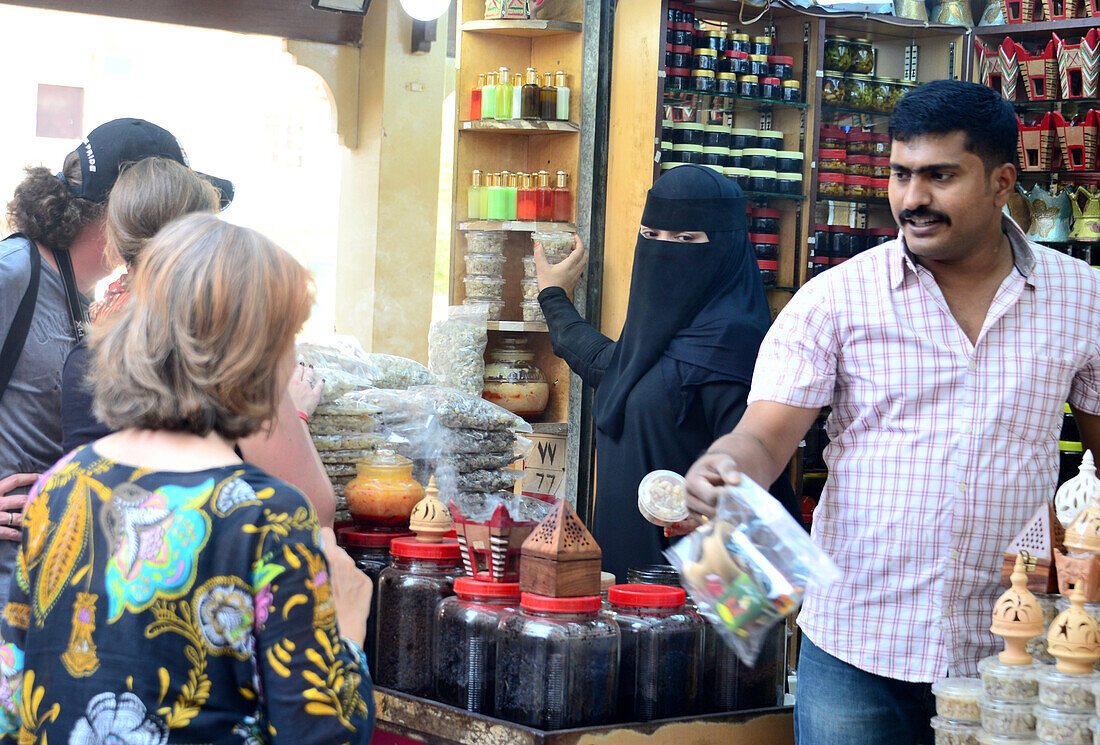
<point>389,179</point>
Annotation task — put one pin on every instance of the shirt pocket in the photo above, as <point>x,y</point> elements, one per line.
<point>1031,393</point>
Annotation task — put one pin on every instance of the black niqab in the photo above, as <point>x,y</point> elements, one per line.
<point>700,304</point>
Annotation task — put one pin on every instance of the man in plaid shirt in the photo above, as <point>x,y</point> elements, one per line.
<point>946,356</point>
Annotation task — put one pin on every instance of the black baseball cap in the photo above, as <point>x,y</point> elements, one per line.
<point>110,146</point>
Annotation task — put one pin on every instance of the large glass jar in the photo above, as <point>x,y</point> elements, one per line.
<point>880,95</point>
<point>857,92</point>
<point>832,89</point>
<point>371,553</point>
<point>465,652</point>
<point>383,493</point>
<point>899,88</point>
<point>732,686</point>
<point>661,651</point>
<point>409,589</point>
<point>838,54</point>
<point>863,56</point>
<point>513,382</point>
<point>557,663</point>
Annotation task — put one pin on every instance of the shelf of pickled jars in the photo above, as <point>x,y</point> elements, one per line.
<point>848,94</point>
<point>518,326</point>
<point>681,96</point>
<point>520,126</point>
<point>843,111</point>
<point>522,28</point>
<point>517,226</point>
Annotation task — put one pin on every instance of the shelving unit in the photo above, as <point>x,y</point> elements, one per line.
<point>566,41</point>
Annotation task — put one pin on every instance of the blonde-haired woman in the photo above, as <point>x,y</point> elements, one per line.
<point>165,589</point>
<point>148,195</point>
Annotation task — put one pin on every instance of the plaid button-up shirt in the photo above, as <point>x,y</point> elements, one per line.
<point>940,449</point>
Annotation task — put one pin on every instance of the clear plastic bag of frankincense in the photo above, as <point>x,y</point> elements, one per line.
<point>749,566</point>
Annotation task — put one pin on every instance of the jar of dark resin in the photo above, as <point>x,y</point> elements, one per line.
<point>733,686</point>
<point>557,663</point>
<point>409,589</point>
<point>764,220</point>
<point>465,651</point>
<point>371,553</point>
<point>765,245</point>
<point>662,647</point>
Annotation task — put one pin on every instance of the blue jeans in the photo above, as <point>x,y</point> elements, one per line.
<point>838,704</point>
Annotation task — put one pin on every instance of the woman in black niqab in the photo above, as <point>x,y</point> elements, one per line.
<point>679,375</point>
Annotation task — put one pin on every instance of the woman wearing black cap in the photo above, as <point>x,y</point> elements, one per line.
<point>679,374</point>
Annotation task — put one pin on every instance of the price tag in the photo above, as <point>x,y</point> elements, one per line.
<point>545,467</point>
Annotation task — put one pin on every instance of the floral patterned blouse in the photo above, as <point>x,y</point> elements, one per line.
<point>149,605</point>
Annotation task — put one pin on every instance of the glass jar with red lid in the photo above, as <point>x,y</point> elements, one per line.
<point>465,652</point>
<point>765,245</point>
<point>557,663</point>
<point>764,220</point>
<point>877,236</point>
<point>833,138</point>
<point>858,187</point>
<point>781,67</point>
<point>859,165</point>
<point>880,188</point>
<point>840,241</point>
<point>769,271</point>
<point>859,142</point>
<point>371,553</point>
<point>409,589</point>
<point>832,185</point>
<point>880,145</point>
<point>832,161</point>
<point>661,651</point>
<point>880,167</point>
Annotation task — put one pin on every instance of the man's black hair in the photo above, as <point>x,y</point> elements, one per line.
<point>946,106</point>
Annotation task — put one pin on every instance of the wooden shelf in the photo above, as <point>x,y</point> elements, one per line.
<point>736,102</point>
<point>520,326</point>
<point>517,226</point>
<point>773,195</point>
<point>522,28</point>
<point>1018,30</point>
<point>845,111</point>
<point>520,126</point>
<point>855,200</point>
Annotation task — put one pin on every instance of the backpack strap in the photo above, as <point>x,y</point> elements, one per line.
<point>21,323</point>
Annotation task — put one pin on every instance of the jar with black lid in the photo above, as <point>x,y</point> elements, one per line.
<point>758,65</point>
<point>409,589</point>
<point>716,135</point>
<point>557,663</point>
<point>764,220</point>
<point>715,156</point>
<point>703,81</point>
<point>764,45</point>
<point>769,272</point>
<point>741,138</point>
<point>687,133</point>
<point>792,91</point>
<point>759,159</point>
<point>704,59</point>
<point>678,56</point>
<point>716,40</point>
<point>465,650</point>
<point>736,159</point>
<point>678,78</point>
<point>765,245</point>
<point>689,153</point>
<point>739,43</point>
<point>771,138</point>
<point>787,161</point>
<point>371,553</point>
<point>680,36</point>
<point>726,84</point>
<point>748,86</point>
<point>781,67</point>
<point>761,181</point>
<point>661,651</point>
<point>771,88</point>
<point>788,184</point>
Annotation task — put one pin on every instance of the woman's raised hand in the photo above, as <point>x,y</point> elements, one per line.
<point>565,274</point>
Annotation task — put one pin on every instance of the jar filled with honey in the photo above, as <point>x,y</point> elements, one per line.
<point>383,493</point>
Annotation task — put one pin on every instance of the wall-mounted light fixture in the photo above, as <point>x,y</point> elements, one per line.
<point>425,10</point>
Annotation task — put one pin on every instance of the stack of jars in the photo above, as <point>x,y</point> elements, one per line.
<point>853,164</point>
<point>849,78</point>
<point>556,245</point>
<point>484,278</point>
<point>1007,706</point>
<point>1066,703</point>
<point>957,717</point>
<point>679,44</point>
<point>835,244</point>
<point>764,237</point>
<point>753,158</point>
<point>371,552</point>
<point>519,196</point>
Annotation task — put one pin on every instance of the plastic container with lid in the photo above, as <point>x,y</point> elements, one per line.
<point>529,270</point>
<point>880,145</point>
<point>465,648</point>
<point>1062,727</point>
<point>831,185</point>
<point>859,142</point>
<point>483,285</point>
<point>880,167</point>
<point>986,738</point>
<point>858,187</point>
<point>383,493</point>
<point>703,81</point>
<point>764,45</point>
<point>485,241</point>
<point>740,175</point>
<point>832,89</point>
<point>759,158</point>
<point>758,65</point>
<point>687,154</point>
<point>859,165</point>
<point>832,161</point>
<point>557,663</point>
<point>687,133</point>
<point>490,264</point>
<point>1006,717</point>
<point>736,159</point>
<point>792,91</point>
<point>771,88</point>
<point>661,498</point>
<point>716,135</point>
<point>788,161</point>
<point>954,733</point>
<point>493,306</point>
<point>761,181</point>
<point>765,246</point>
<point>764,220</point>
<point>715,156</point>
<point>726,85</point>
<point>769,271</point>
<point>409,589</point>
<point>833,138</point>
<point>748,86</point>
<point>371,552</point>
<point>1067,692</point>
<point>739,43</point>
<point>661,650</point>
<point>769,138</point>
<point>880,188</point>
<point>957,699</point>
<point>743,138</point>
<point>678,55</point>
<point>532,311</point>
<point>1009,682</point>
<point>781,67</point>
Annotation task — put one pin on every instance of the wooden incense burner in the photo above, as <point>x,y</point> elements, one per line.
<point>560,558</point>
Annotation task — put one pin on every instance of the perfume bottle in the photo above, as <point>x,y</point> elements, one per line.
<point>544,198</point>
<point>475,98</point>
<point>489,97</point>
<point>504,95</point>
<point>529,108</point>
<point>562,105</point>
<point>473,197</point>
<point>548,99</point>
<point>562,204</point>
